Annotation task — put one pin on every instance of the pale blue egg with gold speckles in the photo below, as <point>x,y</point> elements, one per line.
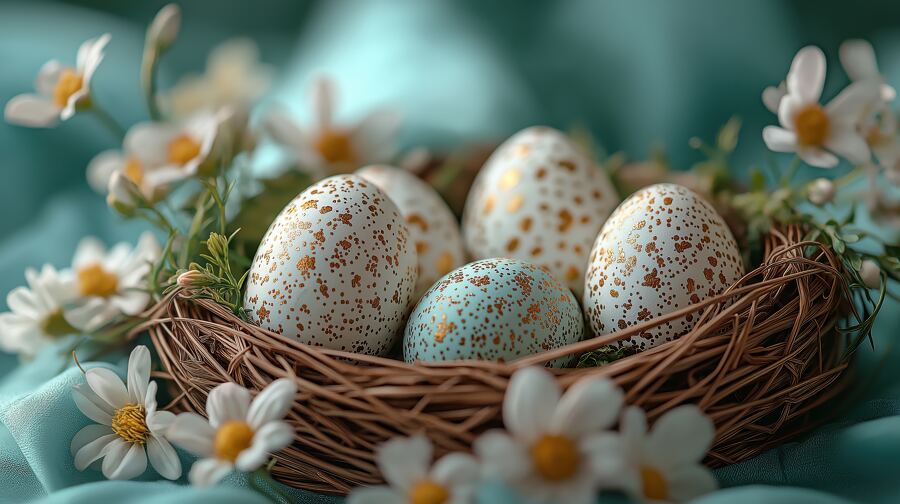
<point>493,309</point>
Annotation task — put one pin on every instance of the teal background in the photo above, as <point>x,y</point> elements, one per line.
<point>638,74</point>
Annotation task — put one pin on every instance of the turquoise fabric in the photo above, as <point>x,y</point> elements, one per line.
<point>638,73</point>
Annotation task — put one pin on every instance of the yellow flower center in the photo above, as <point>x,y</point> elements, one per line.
<point>428,492</point>
<point>555,457</point>
<point>69,83</point>
<point>93,280</point>
<point>129,423</point>
<point>653,484</point>
<point>134,171</point>
<point>232,438</point>
<point>335,146</point>
<point>56,325</point>
<point>812,124</point>
<point>182,149</point>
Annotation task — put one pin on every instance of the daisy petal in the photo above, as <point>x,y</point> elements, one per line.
<point>323,101</point>
<point>193,433</point>
<point>847,143</point>
<point>90,251</point>
<point>588,406</point>
<point>273,436</point>
<point>402,461</point>
<point>282,129</point>
<point>858,59</point>
<point>101,168</point>
<point>163,458</point>
<point>87,435</point>
<point>633,429</point>
<point>376,495</point>
<point>131,302</point>
<point>455,469</point>
<point>138,374</point>
<point>272,403</point>
<point>607,456</point>
<point>48,77</point>
<point>772,96</point>
<point>90,55</point>
<point>208,472</point>
<point>853,101</point>
<point>160,421</point>
<point>807,74</point>
<point>682,435</point>
<point>108,386</point>
<point>228,401</point>
<point>779,139</point>
<point>689,482</point>
<point>818,157</point>
<point>251,459</point>
<point>149,142</point>
<point>32,111</point>
<point>501,457</point>
<point>531,398</point>
<point>91,405</point>
<point>23,301</point>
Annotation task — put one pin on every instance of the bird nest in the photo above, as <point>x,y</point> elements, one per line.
<point>759,360</point>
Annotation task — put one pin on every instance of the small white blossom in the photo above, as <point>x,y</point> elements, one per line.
<point>164,28</point>
<point>234,78</point>
<point>772,96</point>
<point>327,147</point>
<point>110,283</point>
<point>405,464</point>
<point>61,90</point>
<point>239,433</point>
<point>129,428</point>
<point>556,448</point>
<point>821,191</point>
<point>37,312</point>
<point>664,464</point>
<point>815,132</point>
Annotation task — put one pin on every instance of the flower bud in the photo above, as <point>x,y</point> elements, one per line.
<point>189,278</point>
<point>165,27</point>
<point>870,273</point>
<point>120,197</point>
<point>820,191</point>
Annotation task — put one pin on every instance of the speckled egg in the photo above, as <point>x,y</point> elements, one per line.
<point>335,269</point>
<point>538,198</point>
<point>664,248</point>
<point>432,226</point>
<point>494,309</point>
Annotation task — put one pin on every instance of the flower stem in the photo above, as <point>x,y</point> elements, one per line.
<point>108,121</point>
<point>149,65</point>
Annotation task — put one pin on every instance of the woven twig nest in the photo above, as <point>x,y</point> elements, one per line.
<point>760,358</point>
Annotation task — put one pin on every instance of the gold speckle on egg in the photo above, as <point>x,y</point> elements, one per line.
<point>443,329</point>
<point>512,245</point>
<point>509,179</point>
<point>525,224</point>
<point>488,204</point>
<point>417,220</point>
<point>515,203</point>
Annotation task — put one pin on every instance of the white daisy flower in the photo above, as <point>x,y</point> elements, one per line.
<point>550,453</point>
<point>239,433</point>
<point>164,28</point>
<point>664,465</point>
<point>814,132</point>
<point>129,428</point>
<point>36,315</point>
<point>169,152</point>
<point>110,283</point>
<point>405,462</point>
<point>61,90</point>
<point>331,148</point>
<point>858,59</point>
<point>772,96</point>
<point>234,78</point>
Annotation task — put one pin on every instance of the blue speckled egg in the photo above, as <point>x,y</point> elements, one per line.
<point>493,309</point>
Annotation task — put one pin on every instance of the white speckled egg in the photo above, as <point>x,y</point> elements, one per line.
<point>664,248</point>
<point>432,227</point>
<point>494,309</point>
<point>335,269</point>
<point>539,199</point>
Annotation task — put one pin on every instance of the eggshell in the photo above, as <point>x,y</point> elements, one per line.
<point>335,269</point>
<point>432,226</point>
<point>664,248</point>
<point>494,309</point>
<point>538,198</point>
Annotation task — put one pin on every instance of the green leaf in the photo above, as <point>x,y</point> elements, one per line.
<point>728,135</point>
